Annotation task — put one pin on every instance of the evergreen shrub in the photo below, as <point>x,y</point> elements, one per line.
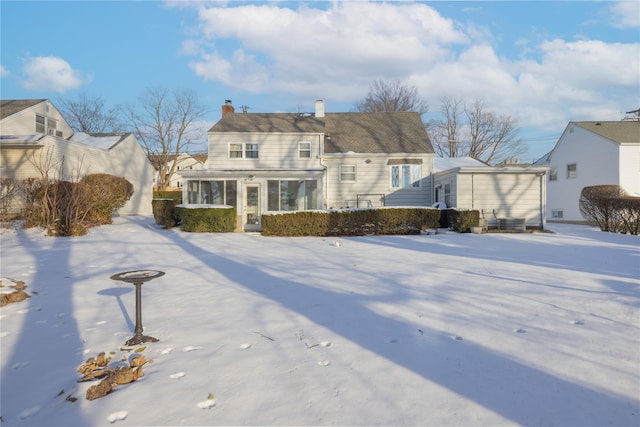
<point>206,219</point>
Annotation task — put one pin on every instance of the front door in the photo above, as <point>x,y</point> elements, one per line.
<point>252,208</point>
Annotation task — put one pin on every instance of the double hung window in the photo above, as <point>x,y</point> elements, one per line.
<point>242,150</point>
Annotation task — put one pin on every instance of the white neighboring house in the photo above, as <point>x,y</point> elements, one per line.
<point>510,191</point>
<point>184,162</point>
<point>34,133</point>
<point>591,153</point>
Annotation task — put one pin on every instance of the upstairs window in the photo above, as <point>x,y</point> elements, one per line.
<point>304,150</point>
<point>347,173</point>
<point>251,151</point>
<point>241,150</point>
<point>553,174</point>
<point>572,171</point>
<point>40,124</point>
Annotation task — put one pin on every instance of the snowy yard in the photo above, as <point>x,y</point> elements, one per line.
<point>439,330</point>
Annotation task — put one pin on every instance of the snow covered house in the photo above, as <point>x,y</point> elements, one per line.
<point>274,162</point>
<point>591,153</point>
<point>510,196</point>
<point>35,137</point>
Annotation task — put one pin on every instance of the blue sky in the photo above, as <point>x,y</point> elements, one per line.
<point>545,62</point>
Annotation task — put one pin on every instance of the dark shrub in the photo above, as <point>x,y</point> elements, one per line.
<point>163,212</point>
<point>462,221</point>
<point>209,219</point>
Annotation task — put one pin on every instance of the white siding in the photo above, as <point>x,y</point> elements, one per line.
<point>276,151</point>
<point>598,161</point>
<point>510,195</point>
<point>24,122</point>
<point>373,178</point>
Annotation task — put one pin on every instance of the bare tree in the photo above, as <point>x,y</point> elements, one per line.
<point>164,124</point>
<point>444,133</point>
<point>389,96</point>
<point>91,115</point>
<point>475,132</point>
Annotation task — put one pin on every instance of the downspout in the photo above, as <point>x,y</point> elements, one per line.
<point>473,197</point>
<point>325,175</point>
<point>543,197</point>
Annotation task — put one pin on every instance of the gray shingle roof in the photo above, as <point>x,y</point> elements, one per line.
<point>622,132</point>
<point>9,107</point>
<point>393,132</point>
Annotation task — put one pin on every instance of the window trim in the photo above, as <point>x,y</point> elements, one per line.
<point>412,182</point>
<point>557,213</point>
<point>242,150</point>
<point>344,175</point>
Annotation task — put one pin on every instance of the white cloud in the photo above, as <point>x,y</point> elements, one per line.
<point>3,71</point>
<point>625,14</point>
<point>335,53</point>
<point>352,41</point>
<point>50,73</point>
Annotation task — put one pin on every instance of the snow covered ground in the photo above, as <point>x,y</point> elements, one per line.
<point>432,330</point>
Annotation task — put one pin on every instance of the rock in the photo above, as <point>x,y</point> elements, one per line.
<point>101,389</point>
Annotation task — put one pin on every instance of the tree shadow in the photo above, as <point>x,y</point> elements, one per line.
<point>518,392</point>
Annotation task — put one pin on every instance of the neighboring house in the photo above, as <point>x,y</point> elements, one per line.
<point>510,191</point>
<point>184,161</point>
<point>279,162</point>
<point>587,154</point>
<point>35,137</point>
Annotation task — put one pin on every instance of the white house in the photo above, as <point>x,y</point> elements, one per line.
<point>275,162</point>
<point>183,162</point>
<point>510,194</point>
<point>34,136</point>
<point>591,153</point>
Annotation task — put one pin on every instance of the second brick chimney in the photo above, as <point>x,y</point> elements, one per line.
<point>227,107</point>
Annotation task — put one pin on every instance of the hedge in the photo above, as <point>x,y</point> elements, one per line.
<point>352,222</point>
<point>219,219</point>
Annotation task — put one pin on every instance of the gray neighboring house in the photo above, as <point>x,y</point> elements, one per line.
<point>280,162</point>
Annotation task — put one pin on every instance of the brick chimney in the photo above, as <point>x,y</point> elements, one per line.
<point>227,107</point>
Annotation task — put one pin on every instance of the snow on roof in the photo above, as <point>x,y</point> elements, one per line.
<point>445,163</point>
<point>104,142</point>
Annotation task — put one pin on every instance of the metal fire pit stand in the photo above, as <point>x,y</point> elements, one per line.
<point>138,277</point>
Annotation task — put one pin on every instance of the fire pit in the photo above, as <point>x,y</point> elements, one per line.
<point>138,277</point>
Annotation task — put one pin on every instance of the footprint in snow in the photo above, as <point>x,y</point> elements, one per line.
<point>206,404</point>
<point>324,363</point>
<point>177,375</point>
<point>456,337</point>
<point>325,344</point>
<point>29,412</point>
<point>245,346</point>
<point>577,322</point>
<point>101,322</point>
<point>191,348</point>
<point>117,416</point>
<point>19,365</point>
<point>520,330</point>
<point>166,350</point>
